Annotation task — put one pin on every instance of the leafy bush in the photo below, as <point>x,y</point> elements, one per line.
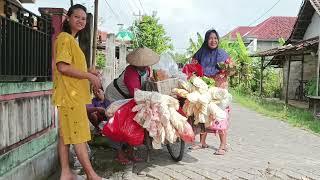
<point>101,60</point>
<point>311,87</point>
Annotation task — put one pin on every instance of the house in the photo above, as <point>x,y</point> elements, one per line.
<point>28,128</point>
<point>102,36</point>
<point>299,57</point>
<point>264,35</point>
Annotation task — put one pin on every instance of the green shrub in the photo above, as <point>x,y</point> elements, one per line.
<point>311,87</point>
<point>101,60</point>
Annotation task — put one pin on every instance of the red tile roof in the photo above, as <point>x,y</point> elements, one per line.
<point>273,28</point>
<point>243,30</point>
<point>102,36</point>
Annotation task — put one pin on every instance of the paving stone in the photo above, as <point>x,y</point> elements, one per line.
<point>261,148</point>
<point>193,175</point>
<point>158,175</point>
<point>173,174</point>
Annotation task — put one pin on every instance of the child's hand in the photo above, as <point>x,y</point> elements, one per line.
<point>100,109</point>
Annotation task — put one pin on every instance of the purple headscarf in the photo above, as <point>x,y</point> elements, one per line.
<point>209,58</point>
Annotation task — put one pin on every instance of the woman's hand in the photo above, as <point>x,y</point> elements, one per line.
<point>95,81</point>
<point>94,72</point>
<point>194,61</point>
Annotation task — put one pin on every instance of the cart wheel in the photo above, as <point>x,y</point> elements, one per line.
<point>176,150</point>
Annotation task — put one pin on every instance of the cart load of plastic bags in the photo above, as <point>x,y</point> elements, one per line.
<point>122,128</point>
<point>157,113</point>
<point>207,104</point>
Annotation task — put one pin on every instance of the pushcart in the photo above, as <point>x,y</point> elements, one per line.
<point>176,149</point>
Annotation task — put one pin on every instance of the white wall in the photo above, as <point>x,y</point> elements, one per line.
<point>266,45</point>
<point>314,27</point>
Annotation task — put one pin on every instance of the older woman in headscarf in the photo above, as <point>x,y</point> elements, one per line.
<point>209,56</point>
<point>134,77</point>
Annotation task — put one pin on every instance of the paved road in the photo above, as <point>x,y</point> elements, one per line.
<point>261,148</point>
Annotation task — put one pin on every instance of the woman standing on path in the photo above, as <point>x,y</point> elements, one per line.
<point>208,56</point>
<point>72,93</point>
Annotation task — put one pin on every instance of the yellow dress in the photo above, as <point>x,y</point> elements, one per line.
<point>70,94</point>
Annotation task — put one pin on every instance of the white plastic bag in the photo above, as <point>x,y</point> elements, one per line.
<point>113,107</point>
<point>167,64</point>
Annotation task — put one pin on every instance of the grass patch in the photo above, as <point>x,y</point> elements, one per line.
<point>272,108</point>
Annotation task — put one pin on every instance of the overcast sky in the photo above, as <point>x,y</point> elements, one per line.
<point>183,18</point>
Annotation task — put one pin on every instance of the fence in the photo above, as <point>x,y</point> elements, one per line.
<point>25,43</point>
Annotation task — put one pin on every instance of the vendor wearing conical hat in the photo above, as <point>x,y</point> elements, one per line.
<point>134,76</point>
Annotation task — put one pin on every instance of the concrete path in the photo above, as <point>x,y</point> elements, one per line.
<point>261,148</point>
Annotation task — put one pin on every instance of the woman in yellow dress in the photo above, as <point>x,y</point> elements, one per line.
<point>72,93</point>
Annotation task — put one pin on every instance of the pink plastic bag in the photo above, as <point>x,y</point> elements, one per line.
<point>220,126</point>
<point>187,135</point>
<point>122,128</point>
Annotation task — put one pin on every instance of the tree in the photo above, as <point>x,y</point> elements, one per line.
<point>101,60</point>
<point>180,58</point>
<point>148,32</point>
<point>194,46</point>
<point>239,53</point>
<point>281,41</point>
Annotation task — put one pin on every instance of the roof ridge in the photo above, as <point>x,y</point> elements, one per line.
<point>260,25</point>
<point>316,5</point>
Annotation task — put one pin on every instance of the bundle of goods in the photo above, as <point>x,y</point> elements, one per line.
<point>157,113</point>
<point>227,67</point>
<point>206,103</point>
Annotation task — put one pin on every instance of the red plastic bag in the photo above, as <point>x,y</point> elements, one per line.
<point>187,135</point>
<point>122,128</point>
<point>180,111</point>
<point>189,69</point>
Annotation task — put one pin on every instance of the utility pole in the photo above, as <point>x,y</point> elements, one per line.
<point>139,15</point>
<point>95,27</point>
<point>71,2</point>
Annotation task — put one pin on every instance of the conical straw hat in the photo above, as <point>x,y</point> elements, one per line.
<point>142,57</point>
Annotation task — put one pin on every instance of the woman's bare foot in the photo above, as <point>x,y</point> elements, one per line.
<point>67,175</point>
<point>96,177</point>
